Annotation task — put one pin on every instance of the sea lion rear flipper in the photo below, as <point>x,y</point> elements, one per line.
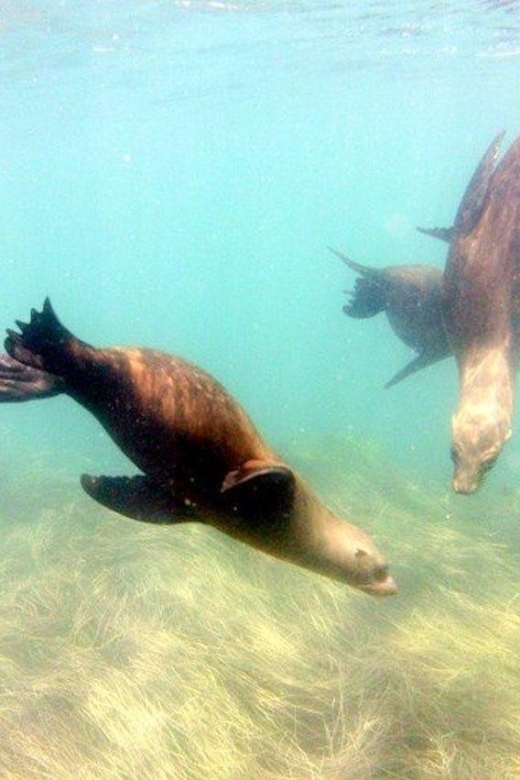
<point>42,342</point>
<point>474,198</point>
<point>421,361</point>
<point>367,299</point>
<point>364,270</point>
<point>444,234</point>
<point>259,488</point>
<point>140,498</point>
<point>369,296</point>
<point>19,382</point>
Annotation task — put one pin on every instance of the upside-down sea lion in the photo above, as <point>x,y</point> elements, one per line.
<point>200,454</point>
<point>411,297</point>
<point>480,311</point>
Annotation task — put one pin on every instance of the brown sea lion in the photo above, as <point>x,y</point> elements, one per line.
<point>411,297</point>
<point>200,454</point>
<point>480,311</point>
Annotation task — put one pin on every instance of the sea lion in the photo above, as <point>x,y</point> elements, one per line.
<point>200,454</point>
<point>411,297</point>
<point>480,312</point>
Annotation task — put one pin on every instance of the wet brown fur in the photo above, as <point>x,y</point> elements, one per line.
<point>142,396</point>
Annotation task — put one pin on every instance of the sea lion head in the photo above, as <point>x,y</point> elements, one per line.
<point>268,506</point>
<point>477,441</point>
<point>368,571</point>
<point>337,548</point>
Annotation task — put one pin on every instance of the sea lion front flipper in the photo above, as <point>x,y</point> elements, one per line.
<point>260,489</point>
<point>19,382</point>
<point>444,234</point>
<point>421,361</point>
<point>139,498</point>
<point>474,198</point>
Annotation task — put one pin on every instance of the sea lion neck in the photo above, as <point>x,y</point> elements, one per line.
<point>482,423</point>
<point>488,371</point>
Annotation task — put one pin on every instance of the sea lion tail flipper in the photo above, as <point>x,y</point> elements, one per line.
<point>259,488</point>
<point>421,361</point>
<point>41,342</point>
<point>474,198</point>
<point>368,297</point>
<point>19,382</point>
<point>444,234</point>
<point>140,498</point>
<point>364,270</point>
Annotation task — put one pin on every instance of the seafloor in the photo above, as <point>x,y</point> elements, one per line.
<point>134,651</point>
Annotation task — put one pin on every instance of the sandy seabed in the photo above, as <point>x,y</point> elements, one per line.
<point>129,651</point>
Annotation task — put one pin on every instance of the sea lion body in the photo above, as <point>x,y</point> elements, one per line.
<point>201,456</point>
<point>411,297</point>
<point>480,311</point>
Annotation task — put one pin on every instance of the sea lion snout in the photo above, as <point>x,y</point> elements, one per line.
<point>469,474</point>
<point>357,559</point>
<point>478,441</point>
<point>381,583</point>
<point>465,483</point>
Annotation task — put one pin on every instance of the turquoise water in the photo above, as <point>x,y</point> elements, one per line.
<point>171,174</point>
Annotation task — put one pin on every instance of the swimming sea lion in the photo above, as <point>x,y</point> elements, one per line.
<point>200,454</point>
<point>411,297</point>
<point>480,311</point>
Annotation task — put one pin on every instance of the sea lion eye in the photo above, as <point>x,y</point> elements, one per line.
<point>360,553</point>
<point>454,454</point>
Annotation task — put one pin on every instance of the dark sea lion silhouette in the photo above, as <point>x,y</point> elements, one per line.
<point>481,312</point>
<point>411,297</point>
<point>200,454</point>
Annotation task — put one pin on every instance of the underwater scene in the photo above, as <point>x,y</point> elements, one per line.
<point>241,184</point>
